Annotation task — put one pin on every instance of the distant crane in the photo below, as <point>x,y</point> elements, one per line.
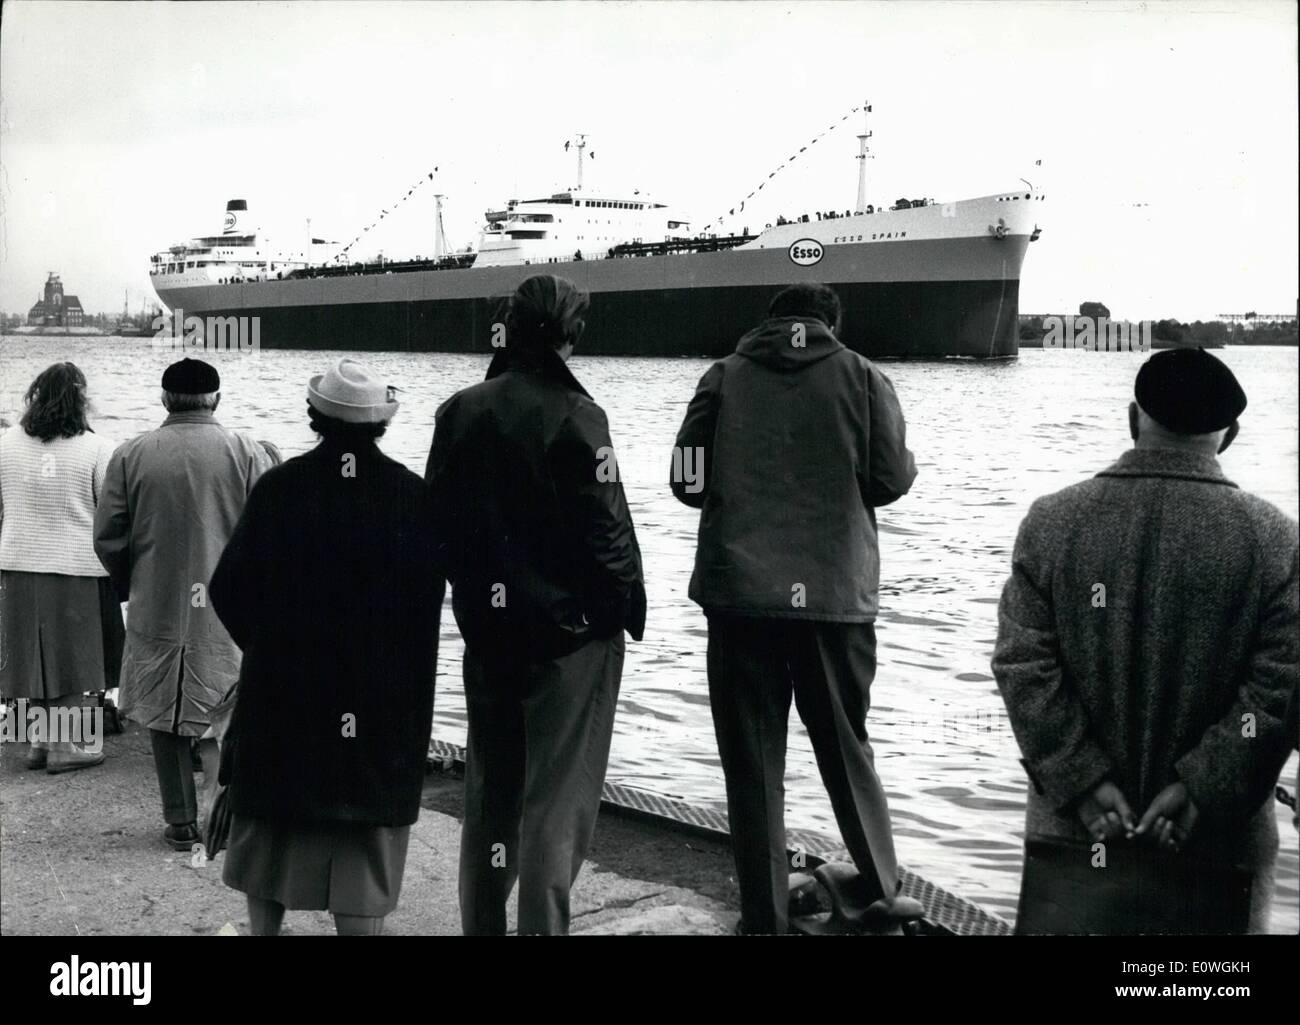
<point>1239,321</point>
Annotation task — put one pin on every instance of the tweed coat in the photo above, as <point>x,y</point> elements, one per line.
<point>1148,634</point>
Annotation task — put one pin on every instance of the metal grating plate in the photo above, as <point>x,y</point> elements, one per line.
<point>946,910</point>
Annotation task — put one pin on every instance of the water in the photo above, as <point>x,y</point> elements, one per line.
<point>988,439</point>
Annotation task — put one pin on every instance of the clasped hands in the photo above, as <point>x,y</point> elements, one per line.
<point>1169,820</point>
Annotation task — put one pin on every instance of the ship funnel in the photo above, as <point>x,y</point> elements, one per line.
<point>236,218</point>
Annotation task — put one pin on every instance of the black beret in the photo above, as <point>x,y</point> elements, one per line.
<point>1188,391</point>
<point>191,377</point>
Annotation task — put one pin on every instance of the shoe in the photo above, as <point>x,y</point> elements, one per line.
<point>890,911</point>
<point>182,838</point>
<point>852,904</point>
<point>38,757</point>
<point>71,761</point>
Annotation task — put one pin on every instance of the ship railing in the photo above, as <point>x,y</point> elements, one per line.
<point>462,261</point>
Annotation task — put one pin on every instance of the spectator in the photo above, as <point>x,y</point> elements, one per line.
<point>539,547</point>
<point>1147,648</point>
<point>171,499</point>
<point>325,585</point>
<point>60,621</point>
<point>795,441</point>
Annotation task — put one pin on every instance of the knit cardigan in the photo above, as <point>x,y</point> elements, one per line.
<point>48,494</point>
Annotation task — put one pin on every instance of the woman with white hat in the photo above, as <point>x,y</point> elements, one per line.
<point>327,587</point>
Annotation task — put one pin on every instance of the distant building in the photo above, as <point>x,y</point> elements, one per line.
<point>56,309</point>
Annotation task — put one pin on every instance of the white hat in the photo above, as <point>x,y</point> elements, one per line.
<point>350,392</point>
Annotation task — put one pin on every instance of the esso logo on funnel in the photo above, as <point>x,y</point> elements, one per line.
<point>230,221</point>
<point>806,252</point>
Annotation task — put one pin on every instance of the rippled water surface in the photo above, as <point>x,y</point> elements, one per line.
<point>988,439</point>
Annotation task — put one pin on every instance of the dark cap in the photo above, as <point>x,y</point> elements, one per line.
<point>191,377</point>
<point>1188,391</point>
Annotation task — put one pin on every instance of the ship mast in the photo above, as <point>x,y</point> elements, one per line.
<point>582,145</point>
<point>439,236</point>
<point>863,157</point>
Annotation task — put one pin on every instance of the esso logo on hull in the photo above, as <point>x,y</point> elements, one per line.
<point>806,252</point>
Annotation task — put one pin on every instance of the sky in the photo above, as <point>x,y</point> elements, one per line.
<point>1166,131</point>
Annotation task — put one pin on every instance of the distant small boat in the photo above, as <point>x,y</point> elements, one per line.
<point>129,327</point>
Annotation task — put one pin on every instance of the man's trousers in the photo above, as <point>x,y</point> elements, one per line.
<point>755,667</point>
<point>539,736</point>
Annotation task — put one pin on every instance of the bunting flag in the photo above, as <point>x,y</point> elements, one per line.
<point>385,212</point>
<point>829,128</point>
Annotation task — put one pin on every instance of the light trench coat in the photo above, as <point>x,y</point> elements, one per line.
<point>172,497</point>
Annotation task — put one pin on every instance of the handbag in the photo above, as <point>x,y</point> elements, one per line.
<point>1140,890</point>
<point>216,831</point>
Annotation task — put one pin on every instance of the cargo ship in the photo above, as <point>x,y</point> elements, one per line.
<point>917,279</point>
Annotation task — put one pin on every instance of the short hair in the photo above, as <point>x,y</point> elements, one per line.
<point>807,299</point>
<point>331,428</point>
<point>185,402</point>
<point>545,312</point>
<point>56,403</point>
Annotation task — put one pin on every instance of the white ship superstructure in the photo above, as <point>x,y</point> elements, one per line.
<point>236,255</point>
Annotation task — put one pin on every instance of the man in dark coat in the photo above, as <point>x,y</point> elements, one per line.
<point>326,587</point>
<point>1147,640</point>
<point>789,446</point>
<point>537,540</point>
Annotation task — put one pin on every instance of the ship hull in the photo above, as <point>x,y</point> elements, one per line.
<point>908,299</point>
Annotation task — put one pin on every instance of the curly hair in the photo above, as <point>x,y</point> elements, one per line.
<point>56,403</point>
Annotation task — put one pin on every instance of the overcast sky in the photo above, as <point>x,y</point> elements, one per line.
<point>1167,131</point>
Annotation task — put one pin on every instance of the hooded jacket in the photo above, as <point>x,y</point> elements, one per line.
<point>789,446</point>
<point>533,526</point>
